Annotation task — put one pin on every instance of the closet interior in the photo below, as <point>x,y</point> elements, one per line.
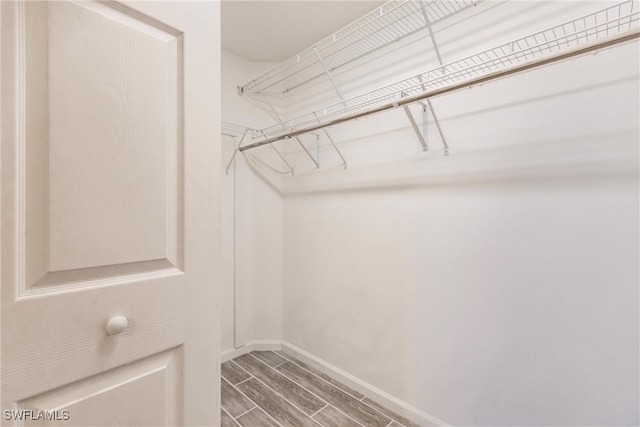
<point>430,218</point>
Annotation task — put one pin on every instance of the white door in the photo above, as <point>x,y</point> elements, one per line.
<point>110,210</point>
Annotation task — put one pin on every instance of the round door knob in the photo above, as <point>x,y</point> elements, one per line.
<point>117,324</point>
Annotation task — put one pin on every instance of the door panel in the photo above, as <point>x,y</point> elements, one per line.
<point>155,378</point>
<point>110,207</point>
<point>124,217</point>
<point>123,210</point>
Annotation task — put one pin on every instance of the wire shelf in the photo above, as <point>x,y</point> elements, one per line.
<point>618,19</point>
<point>389,23</point>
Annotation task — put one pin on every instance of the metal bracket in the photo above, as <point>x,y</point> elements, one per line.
<point>315,162</point>
<point>427,24</point>
<point>283,159</point>
<point>425,121</point>
<point>280,121</point>
<point>344,161</point>
<point>415,128</point>
<point>279,154</point>
<point>414,125</point>
<point>433,112</point>
<point>437,122</point>
<point>335,147</point>
<point>326,71</point>
<point>235,151</point>
<point>435,119</point>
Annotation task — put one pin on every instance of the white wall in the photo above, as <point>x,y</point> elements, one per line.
<point>495,286</point>
<point>498,286</point>
<point>252,246</point>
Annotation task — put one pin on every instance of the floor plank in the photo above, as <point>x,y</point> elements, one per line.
<point>282,411</point>
<point>326,377</point>
<point>233,373</point>
<point>226,420</point>
<point>357,410</point>
<point>256,418</point>
<point>291,391</point>
<point>233,401</point>
<point>283,355</point>
<point>331,417</point>
<point>395,424</point>
<point>401,420</point>
<point>269,357</point>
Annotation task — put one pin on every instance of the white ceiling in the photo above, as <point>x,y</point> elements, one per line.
<point>273,31</point>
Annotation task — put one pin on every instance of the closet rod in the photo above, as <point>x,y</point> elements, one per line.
<point>611,41</point>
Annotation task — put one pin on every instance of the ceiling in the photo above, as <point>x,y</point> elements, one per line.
<point>273,31</point>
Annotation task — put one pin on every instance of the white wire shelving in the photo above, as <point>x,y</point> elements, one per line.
<point>389,23</point>
<point>232,137</point>
<point>613,21</point>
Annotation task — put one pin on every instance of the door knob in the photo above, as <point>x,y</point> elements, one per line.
<point>116,324</point>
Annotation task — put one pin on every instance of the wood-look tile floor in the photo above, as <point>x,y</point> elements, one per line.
<point>271,389</point>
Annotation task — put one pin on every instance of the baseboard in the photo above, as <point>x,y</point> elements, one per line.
<point>400,407</point>
<point>273,345</point>
<point>232,353</point>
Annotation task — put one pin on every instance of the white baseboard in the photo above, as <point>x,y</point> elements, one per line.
<point>273,345</point>
<point>232,353</point>
<point>385,399</point>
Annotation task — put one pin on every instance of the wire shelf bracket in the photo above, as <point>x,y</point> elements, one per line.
<point>279,120</point>
<point>335,147</point>
<point>328,74</point>
<point>281,157</point>
<point>335,87</point>
<point>235,151</point>
<point>231,133</point>
<point>414,126</point>
<point>428,25</point>
<point>420,78</point>
<point>429,107</point>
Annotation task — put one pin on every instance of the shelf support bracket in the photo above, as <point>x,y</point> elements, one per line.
<point>326,71</point>
<point>425,119</point>
<point>283,159</point>
<point>437,122</point>
<point>335,87</point>
<point>435,118</point>
<point>315,162</point>
<point>279,120</point>
<point>279,154</point>
<point>235,151</point>
<point>427,24</point>
<point>335,147</point>
<point>435,47</point>
<point>415,128</point>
